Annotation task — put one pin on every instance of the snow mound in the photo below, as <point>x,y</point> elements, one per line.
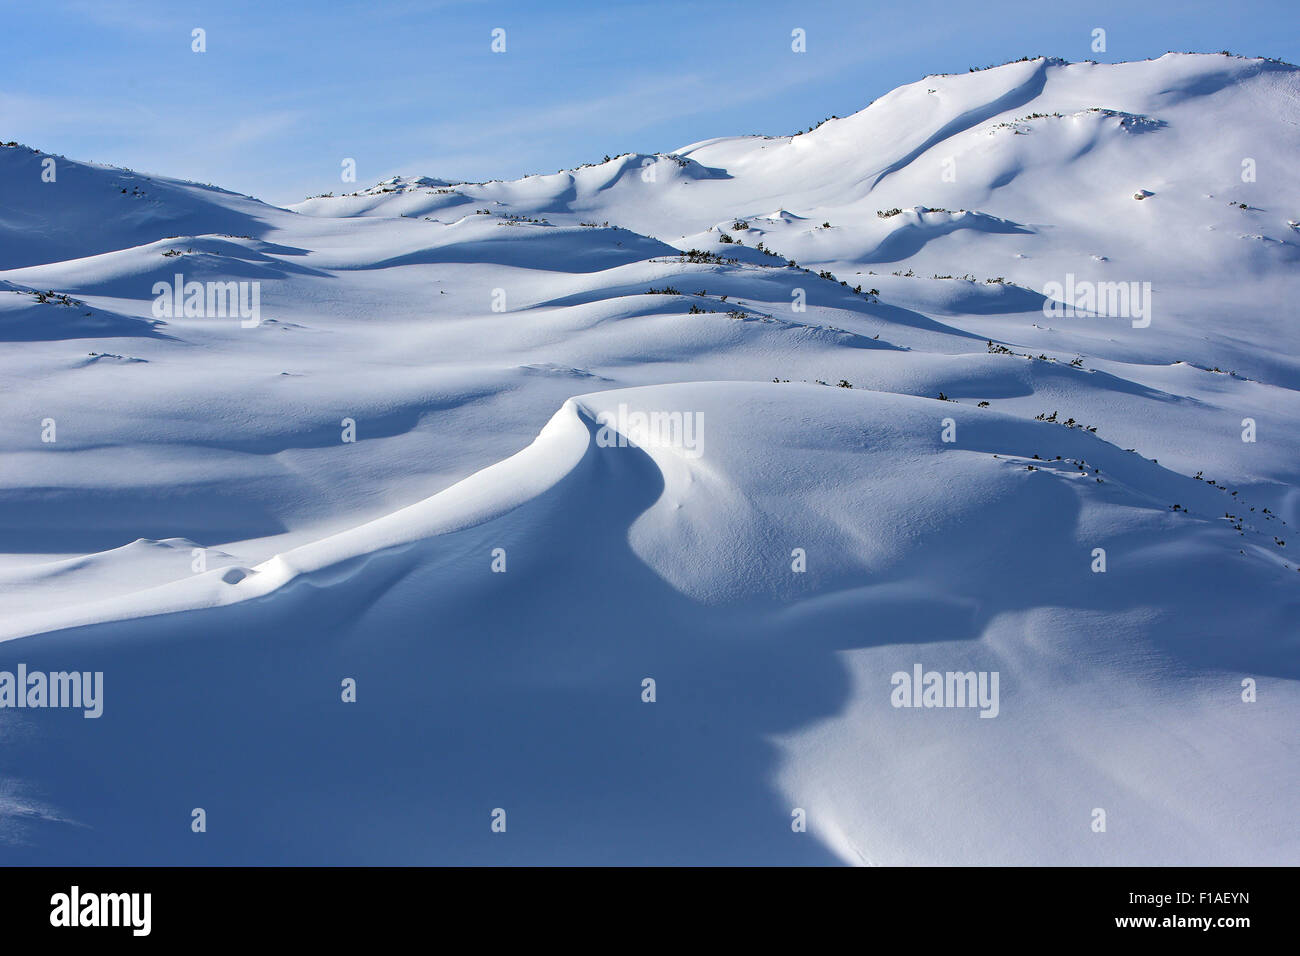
<point>776,423</point>
<point>685,529</point>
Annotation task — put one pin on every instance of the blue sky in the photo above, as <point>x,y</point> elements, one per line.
<point>289,88</point>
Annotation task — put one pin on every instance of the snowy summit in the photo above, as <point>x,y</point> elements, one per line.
<point>918,489</point>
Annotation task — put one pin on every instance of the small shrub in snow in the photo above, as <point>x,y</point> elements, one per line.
<point>710,258</point>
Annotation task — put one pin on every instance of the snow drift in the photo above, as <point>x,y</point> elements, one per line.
<point>510,456</point>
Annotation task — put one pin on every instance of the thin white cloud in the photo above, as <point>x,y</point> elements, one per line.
<point>636,105</point>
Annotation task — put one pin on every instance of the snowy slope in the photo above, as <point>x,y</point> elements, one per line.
<point>479,336</point>
<point>53,208</point>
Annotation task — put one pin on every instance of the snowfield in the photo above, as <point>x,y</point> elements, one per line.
<point>635,505</point>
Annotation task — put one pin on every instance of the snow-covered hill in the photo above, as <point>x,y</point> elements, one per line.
<point>501,452</point>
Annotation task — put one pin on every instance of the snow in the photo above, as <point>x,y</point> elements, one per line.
<point>190,439</point>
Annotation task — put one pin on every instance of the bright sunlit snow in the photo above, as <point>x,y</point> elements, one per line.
<point>999,376</point>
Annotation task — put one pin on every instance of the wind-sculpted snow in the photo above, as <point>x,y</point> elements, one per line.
<point>997,377</point>
<point>521,688</point>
